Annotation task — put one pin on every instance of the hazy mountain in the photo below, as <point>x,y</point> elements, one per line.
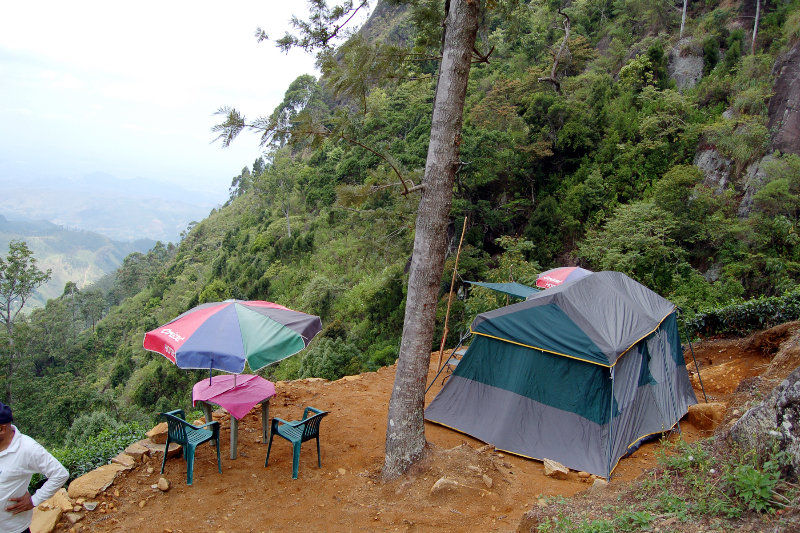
<point>73,255</point>
<point>122,209</point>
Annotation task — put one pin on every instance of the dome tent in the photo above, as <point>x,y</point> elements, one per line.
<point>579,373</point>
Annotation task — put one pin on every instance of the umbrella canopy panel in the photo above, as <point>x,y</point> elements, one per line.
<point>226,335</point>
<point>557,276</point>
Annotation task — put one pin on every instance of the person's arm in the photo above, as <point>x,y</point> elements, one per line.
<point>47,465</point>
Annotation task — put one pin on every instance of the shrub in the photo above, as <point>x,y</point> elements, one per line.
<point>748,316</point>
<point>95,450</point>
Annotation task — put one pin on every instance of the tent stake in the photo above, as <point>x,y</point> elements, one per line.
<point>450,297</point>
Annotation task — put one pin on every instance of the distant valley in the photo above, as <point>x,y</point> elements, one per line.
<point>120,209</point>
<point>73,255</point>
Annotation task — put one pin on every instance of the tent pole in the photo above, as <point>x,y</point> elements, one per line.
<point>450,297</point>
<point>698,369</point>
<point>460,343</point>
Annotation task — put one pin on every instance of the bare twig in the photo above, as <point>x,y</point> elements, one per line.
<point>552,77</point>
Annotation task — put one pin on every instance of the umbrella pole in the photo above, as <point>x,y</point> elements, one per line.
<point>209,372</point>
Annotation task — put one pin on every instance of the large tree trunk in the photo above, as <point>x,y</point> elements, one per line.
<point>405,430</point>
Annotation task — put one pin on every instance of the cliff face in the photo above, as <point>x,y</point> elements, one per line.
<point>784,106</point>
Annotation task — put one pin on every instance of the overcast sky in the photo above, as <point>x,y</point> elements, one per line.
<point>130,88</point>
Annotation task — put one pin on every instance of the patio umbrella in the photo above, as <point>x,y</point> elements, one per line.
<point>225,335</point>
<point>557,276</point>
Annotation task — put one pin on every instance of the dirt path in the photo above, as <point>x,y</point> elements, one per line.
<point>346,493</point>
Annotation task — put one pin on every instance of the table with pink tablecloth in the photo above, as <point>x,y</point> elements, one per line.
<point>237,394</point>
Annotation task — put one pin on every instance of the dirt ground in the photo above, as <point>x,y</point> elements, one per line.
<point>346,494</point>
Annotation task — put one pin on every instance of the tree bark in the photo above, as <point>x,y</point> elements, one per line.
<point>755,28</point>
<point>683,18</point>
<point>405,430</point>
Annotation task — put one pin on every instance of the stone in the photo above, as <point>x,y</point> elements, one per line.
<point>342,471</point>
<point>138,451</point>
<point>775,420</point>
<point>487,481</point>
<point>555,469</point>
<point>45,521</point>
<point>715,167</point>
<point>74,518</point>
<point>150,470</point>
<point>163,484</point>
<point>444,485</point>
<point>61,500</point>
<point>706,416</point>
<point>685,64</point>
<point>584,475</point>
<point>753,180</point>
<point>598,485</point>
<point>784,106</point>
<point>123,459</point>
<point>174,449</point>
<point>158,434</point>
<point>92,483</point>
<point>90,506</point>
<point>142,504</point>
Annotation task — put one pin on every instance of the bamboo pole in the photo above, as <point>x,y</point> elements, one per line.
<point>450,297</point>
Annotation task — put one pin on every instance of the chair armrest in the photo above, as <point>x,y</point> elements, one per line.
<point>312,409</point>
<point>208,424</point>
<point>276,420</point>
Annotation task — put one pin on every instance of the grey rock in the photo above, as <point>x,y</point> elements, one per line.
<point>784,106</point>
<point>755,177</point>
<point>776,420</point>
<point>715,167</point>
<point>685,64</point>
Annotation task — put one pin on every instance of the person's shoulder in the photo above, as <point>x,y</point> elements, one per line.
<point>28,443</point>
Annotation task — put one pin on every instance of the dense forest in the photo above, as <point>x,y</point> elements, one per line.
<point>601,133</point>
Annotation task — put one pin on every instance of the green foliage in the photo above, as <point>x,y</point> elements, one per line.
<point>87,425</point>
<point>95,450</point>
<point>754,487</point>
<point>742,318</point>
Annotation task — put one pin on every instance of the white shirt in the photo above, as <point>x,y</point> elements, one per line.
<point>23,458</point>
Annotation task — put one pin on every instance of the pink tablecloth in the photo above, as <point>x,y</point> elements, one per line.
<point>238,400</point>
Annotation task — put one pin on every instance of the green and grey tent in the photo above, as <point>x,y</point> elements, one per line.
<point>580,374</point>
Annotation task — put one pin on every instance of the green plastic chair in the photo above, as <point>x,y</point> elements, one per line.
<point>189,436</point>
<point>297,432</point>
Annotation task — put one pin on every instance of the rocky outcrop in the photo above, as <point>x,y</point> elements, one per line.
<point>755,177</point>
<point>776,420</point>
<point>715,167</point>
<point>784,106</point>
<point>685,64</point>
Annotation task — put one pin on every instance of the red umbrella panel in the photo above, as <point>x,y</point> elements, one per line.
<point>557,276</point>
<point>225,335</point>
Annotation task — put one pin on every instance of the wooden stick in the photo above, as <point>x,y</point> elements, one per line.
<point>450,297</point>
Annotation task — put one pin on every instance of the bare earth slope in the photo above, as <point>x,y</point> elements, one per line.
<point>346,494</point>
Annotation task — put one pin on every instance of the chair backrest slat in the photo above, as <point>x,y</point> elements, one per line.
<point>176,428</point>
<point>311,426</point>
